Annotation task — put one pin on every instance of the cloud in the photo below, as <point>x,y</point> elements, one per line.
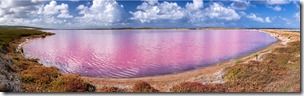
<point>272,2</point>
<point>197,4</point>
<point>285,20</point>
<point>83,9</point>
<point>34,13</point>
<point>52,8</point>
<point>151,2</point>
<point>297,4</point>
<point>267,20</point>
<point>35,1</point>
<point>275,8</point>
<point>158,11</point>
<point>218,11</point>
<point>51,14</point>
<point>74,0</point>
<point>17,9</point>
<point>256,18</point>
<point>101,13</point>
<point>240,4</point>
<point>14,12</point>
<point>297,16</point>
<point>277,3</point>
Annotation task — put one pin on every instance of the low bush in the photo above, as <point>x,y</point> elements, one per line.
<point>70,83</point>
<point>39,74</point>
<point>23,65</point>
<point>141,86</point>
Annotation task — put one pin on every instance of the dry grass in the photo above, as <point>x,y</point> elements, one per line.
<point>70,83</point>
<point>278,72</point>
<point>197,87</point>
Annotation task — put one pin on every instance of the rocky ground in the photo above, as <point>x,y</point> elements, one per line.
<point>9,81</point>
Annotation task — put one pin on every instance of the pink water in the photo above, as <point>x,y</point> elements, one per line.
<point>139,53</point>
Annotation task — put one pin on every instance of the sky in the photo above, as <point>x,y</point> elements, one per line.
<point>76,14</point>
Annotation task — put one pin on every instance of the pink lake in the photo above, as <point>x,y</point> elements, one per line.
<point>140,53</point>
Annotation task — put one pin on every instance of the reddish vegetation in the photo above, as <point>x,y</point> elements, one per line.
<point>297,90</point>
<point>49,79</point>
<point>141,86</point>
<point>40,75</point>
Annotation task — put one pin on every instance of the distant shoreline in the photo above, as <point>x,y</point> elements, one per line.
<point>288,29</point>
<point>147,28</point>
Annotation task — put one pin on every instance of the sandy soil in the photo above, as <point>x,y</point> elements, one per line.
<point>210,74</point>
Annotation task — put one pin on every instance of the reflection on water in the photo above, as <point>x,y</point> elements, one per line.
<point>138,53</point>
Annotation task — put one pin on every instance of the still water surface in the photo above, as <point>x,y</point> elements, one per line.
<point>139,53</point>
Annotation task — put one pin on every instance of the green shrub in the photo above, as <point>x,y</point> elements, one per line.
<point>237,72</point>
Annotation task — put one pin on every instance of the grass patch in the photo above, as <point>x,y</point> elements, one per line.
<point>237,61</point>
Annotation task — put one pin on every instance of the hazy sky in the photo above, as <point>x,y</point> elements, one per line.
<point>151,13</point>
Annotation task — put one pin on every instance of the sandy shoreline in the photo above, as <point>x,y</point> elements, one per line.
<point>208,74</point>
